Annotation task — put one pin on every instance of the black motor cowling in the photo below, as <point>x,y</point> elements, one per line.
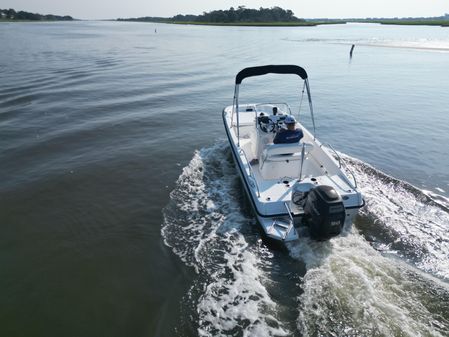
<point>324,212</point>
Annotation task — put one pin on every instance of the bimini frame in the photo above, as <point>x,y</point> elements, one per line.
<point>263,70</point>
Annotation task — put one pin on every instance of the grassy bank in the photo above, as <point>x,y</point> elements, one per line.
<point>247,24</point>
<point>7,20</point>
<point>251,24</point>
<point>407,22</point>
<point>443,23</point>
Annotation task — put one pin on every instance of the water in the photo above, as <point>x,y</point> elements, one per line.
<point>122,213</point>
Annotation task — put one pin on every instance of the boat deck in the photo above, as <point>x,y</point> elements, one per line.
<point>280,190</point>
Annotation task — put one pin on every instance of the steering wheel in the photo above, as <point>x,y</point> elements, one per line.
<point>266,124</point>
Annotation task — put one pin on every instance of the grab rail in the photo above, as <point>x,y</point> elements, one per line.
<point>341,164</point>
<point>302,161</point>
<point>289,211</point>
<point>251,173</point>
<point>291,221</point>
<point>336,154</point>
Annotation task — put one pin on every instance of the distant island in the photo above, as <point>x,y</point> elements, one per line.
<point>276,16</point>
<point>12,15</point>
<point>242,16</point>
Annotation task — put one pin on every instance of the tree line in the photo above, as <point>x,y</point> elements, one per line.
<point>241,14</point>
<point>11,14</point>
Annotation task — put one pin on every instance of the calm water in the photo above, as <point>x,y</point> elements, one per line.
<point>122,214</point>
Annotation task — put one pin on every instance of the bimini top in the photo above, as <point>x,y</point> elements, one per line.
<point>270,69</point>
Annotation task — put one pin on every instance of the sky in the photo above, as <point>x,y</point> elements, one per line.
<point>110,9</point>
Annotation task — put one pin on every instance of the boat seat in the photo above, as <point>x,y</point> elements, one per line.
<point>279,160</point>
<point>280,151</point>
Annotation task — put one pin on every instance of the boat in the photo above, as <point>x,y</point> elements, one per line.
<point>304,184</point>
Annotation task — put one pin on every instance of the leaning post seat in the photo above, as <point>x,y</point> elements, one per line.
<point>280,160</point>
<point>274,151</point>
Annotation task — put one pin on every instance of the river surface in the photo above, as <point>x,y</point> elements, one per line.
<point>122,214</point>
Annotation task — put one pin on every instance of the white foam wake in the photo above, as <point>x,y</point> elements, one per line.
<point>408,221</point>
<point>352,290</point>
<point>236,301</point>
<point>207,228</point>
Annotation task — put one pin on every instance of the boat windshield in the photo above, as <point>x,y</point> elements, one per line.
<point>273,109</point>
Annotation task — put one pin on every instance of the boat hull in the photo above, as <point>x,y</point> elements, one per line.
<point>277,222</point>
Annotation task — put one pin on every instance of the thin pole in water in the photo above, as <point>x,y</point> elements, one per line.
<point>352,49</point>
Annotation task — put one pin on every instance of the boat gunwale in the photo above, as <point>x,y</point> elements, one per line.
<point>247,187</point>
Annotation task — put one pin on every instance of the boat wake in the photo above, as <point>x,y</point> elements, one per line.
<point>207,228</point>
<point>352,290</point>
<point>401,219</point>
<point>362,283</point>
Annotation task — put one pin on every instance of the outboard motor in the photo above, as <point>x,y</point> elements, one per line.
<point>324,212</point>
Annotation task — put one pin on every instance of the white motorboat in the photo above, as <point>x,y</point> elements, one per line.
<point>288,184</point>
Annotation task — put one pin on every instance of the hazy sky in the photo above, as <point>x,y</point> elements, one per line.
<point>105,9</point>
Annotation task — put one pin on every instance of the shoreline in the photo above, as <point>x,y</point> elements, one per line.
<point>247,24</point>
<point>437,23</point>
<point>440,23</point>
<point>243,24</point>
<point>9,21</point>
